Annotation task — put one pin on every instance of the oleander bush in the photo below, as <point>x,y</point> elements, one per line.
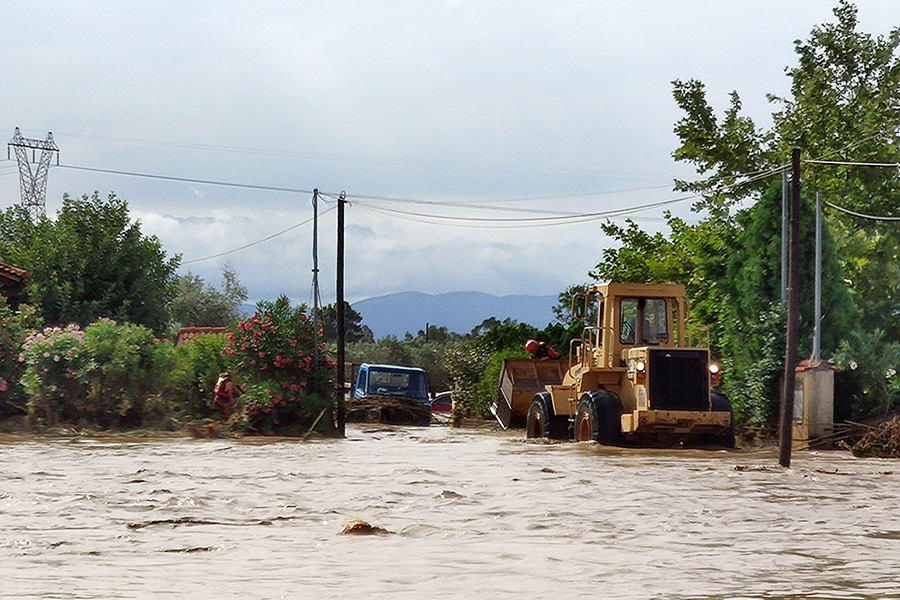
<point>286,379</point>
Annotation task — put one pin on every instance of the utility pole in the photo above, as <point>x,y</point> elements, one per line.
<point>817,330</point>
<point>793,318</point>
<point>784,238</point>
<point>33,186</point>
<point>339,289</point>
<point>315,271</point>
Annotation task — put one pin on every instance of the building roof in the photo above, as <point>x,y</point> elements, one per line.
<point>12,280</point>
<point>186,334</point>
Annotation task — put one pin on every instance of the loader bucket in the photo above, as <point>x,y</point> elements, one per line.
<point>520,380</point>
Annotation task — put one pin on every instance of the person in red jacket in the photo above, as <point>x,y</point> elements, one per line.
<point>540,350</point>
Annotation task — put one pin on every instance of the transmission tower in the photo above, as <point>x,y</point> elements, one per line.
<point>33,185</point>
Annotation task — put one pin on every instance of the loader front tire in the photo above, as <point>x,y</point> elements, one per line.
<point>598,418</point>
<point>541,422</point>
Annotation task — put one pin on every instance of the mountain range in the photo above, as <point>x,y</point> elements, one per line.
<point>460,312</point>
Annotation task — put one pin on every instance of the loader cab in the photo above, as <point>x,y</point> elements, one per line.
<point>643,321</point>
<point>620,316</point>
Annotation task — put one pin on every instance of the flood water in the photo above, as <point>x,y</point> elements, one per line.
<point>470,514</point>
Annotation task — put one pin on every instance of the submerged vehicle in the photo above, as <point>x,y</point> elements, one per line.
<point>390,394</point>
<point>635,376</point>
<point>442,403</point>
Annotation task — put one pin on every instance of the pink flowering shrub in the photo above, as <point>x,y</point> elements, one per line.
<point>108,375</point>
<point>289,382</point>
<point>55,378</point>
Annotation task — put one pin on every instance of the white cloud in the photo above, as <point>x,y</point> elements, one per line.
<point>458,101</point>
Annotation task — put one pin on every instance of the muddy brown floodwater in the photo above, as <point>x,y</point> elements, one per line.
<point>469,514</point>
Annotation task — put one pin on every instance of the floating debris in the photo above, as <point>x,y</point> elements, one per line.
<point>762,468</point>
<point>360,527</point>
<point>193,549</point>
<point>194,521</point>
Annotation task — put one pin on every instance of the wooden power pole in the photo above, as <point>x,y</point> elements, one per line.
<point>793,319</point>
<point>339,289</point>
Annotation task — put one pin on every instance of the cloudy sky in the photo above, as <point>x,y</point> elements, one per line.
<point>451,125</point>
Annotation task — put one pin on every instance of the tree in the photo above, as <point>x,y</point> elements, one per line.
<point>435,333</point>
<point>198,304</point>
<point>354,330</point>
<point>563,309</point>
<point>691,255</point>
<point>845,106</point>
<point>91,262</point>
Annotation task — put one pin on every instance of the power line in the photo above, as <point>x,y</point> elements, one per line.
<point>853,163</point>
<point>344,158</point>
<point>521,222</point>
<point>501,200</point>
<point>483,222</point>
<point>257,242</point>
<point>247,186</point>
<point>861,215</point>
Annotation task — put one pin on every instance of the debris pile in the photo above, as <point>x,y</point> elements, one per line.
<point>880,441</point>
<point>384,409</point>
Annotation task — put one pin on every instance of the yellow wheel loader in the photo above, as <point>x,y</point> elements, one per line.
<point>636,376</point>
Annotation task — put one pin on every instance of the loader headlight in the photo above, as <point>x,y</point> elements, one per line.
<point>640,366</point>
<point>714,369</point>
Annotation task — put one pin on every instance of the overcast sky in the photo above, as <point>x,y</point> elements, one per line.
<point>462,109</point>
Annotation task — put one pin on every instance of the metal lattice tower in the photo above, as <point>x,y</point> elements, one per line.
<point>33,185</point>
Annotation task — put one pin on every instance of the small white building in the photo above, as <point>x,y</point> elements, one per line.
<point>814,400</point>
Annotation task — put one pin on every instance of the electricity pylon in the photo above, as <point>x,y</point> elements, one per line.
<point>33,185</point>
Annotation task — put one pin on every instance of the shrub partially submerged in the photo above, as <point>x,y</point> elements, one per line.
<point>288,381</point>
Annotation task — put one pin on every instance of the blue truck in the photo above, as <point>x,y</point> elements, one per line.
<point>390,394</point>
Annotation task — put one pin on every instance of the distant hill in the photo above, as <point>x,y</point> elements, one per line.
<point>460,312</point>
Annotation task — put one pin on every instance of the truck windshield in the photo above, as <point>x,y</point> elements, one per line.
<point>656,329</point>
<point>397,383</point>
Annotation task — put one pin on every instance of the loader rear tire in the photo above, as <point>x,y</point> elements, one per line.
<point>721,404</point>
<point>542,423</point>
<point>598,418</point>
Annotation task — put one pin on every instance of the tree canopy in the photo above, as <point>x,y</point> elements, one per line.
<point>92,261</point>
<point>199,304</point>
<point>844,107</point>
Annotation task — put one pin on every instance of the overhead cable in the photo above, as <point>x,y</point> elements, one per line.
<point>518,222</point>
<point>251,244</point>
<point>853,163</point>
<point>248,186</point>
<point>861,215</point>
<point>500,200</point>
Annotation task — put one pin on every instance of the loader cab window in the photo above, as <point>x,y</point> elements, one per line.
<point>652,312</point>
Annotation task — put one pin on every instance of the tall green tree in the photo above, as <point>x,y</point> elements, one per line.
<point>199,304</point>
<point>92,261</point>
<point>844,106</point>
